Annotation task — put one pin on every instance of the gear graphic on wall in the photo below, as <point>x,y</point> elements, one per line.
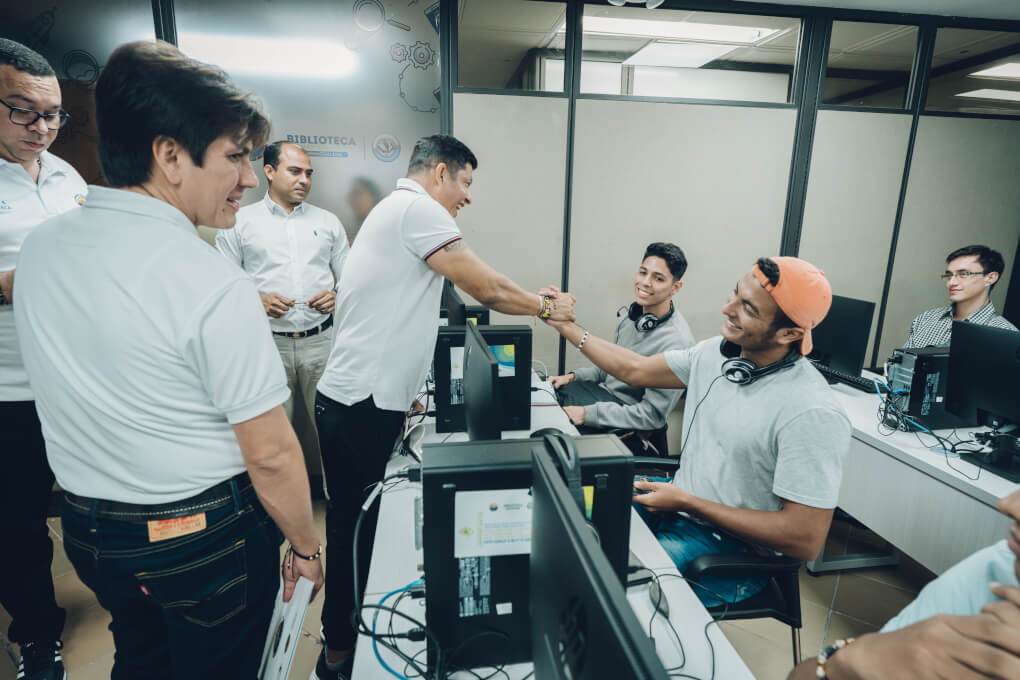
<point>416,78</point>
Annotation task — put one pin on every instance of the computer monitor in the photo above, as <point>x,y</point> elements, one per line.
<point>984,374</point>
<point>453,305</point>
<point>482,404</point>
<point>841,339</point>
<point>582,626</point>
<point>511,346</point>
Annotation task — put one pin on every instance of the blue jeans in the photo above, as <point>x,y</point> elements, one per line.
<point>684,540</point>
<point>195,606</point>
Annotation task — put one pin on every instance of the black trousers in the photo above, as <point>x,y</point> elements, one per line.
<point>25,484</point>
<point>585,393</point>
<point>356,442</point>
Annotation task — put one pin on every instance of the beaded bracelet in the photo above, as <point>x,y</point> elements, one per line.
<point>827,654</point>
<point>311,558</point>
<point>584,337</point>
<point>547,308</point>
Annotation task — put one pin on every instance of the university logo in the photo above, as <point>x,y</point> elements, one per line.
<point>386,148</point>
<point>79,199</point>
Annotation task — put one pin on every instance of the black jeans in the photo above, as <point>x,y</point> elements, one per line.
<point>193,607</point>
<point>356,443</point>
<point>25,484</point>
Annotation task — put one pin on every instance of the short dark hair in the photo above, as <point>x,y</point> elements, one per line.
<point>151,89</point>
<point>990,260</point>
<point>672,254</point>
<point>24,59</point>
<point>770,269</point>
<point>431,151</point>
<point>271,156</point>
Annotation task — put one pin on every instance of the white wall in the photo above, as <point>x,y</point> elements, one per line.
<point>515,221</point>
<point>853,189</point>
<point>962,190</point>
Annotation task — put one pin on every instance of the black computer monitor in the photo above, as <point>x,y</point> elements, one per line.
<point>453,305</point>
<point>482,404</point>
<point>582,626</point>
<point>841,339</point>
<point>984,374</point>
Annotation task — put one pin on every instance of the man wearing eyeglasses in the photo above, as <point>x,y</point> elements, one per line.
<point>971,274</point>
<point>34,186</point>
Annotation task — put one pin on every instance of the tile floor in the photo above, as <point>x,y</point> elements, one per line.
<point>833,606</point>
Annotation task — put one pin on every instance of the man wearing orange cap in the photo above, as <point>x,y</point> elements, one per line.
<point>763,435</point>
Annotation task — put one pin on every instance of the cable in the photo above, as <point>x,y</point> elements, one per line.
<point>545,370</point>
<point>375,640</point>
<point>695,415</point>
<point>549,392</point>
<point>715,620</point>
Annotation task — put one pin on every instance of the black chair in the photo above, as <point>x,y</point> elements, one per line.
<point>779,599</point>
<point>645,442</point>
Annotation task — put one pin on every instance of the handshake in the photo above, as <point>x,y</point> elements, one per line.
<point>560,309</point>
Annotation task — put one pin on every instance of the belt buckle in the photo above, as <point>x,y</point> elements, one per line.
<point>296,335</point>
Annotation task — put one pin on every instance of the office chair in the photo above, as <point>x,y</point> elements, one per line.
<point>779,599</point>
<point>645,442</point>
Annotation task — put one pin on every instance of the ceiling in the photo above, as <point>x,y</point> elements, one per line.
<point>494,36</point>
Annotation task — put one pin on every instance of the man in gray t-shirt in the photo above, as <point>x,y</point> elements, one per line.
<point>764,438</point>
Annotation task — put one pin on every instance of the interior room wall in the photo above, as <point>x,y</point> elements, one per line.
<point>711,179</point>
<point>962,190</point>
<point>853,189</point>
<point>515,221</point>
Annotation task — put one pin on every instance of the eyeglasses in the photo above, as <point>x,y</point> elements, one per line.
<point>963,276</point>
<point>26,117</point>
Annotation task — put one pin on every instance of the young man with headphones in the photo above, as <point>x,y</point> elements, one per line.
<point>764,437</point>
<point>971,274</point>
<point>595,400</point>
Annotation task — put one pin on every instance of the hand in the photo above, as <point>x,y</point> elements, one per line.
<point>295,567</point>
<point>1007,611</point>
<point>662,496</point>
<point>275,304</point>
<point>563,307</point>
<point>417,407</point>
<point>323,302</point>
<point>558,381</point>
<point>575,413</point>
<point>942,647</point>
<point>7,285</point>
<point>549,291</point>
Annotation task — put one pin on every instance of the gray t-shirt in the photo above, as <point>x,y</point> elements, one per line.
<point>784,436</point>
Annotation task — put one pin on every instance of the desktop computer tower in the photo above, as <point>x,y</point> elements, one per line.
<point>477,602</point>
<point>514,375</point>
<point>919,375</point>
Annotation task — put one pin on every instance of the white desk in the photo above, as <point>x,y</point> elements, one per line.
<point>910,496</point>
<point>396,562</point>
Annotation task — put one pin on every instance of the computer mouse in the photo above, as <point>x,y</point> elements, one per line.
<point>538,434</point>
<point>658,598</point>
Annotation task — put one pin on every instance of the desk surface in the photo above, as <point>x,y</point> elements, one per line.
<point>396,562</point>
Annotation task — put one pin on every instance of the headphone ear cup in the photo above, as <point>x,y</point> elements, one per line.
<point>634,311</point>
<point>739,371</point>
<point>646,323</point>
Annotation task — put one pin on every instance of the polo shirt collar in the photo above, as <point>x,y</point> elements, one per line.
<point>275,208</point>
<point>411,185</point>
<point>122,200</point>
<point>47,169</point>
<point>980,316</point>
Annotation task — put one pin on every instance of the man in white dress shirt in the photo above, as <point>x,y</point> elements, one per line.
<point>34,185</point>
<point>294,252</point>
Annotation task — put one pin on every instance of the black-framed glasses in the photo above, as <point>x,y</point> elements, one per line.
<point>26,117</point>
<point>963,276</point>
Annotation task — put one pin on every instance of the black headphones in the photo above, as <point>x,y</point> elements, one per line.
<point>743,371</point>
<point>644,322</point>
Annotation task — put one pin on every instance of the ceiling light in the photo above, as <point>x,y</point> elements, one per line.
<point>677,55</point>
<point>988,93</point>
<point>1009,70</point>
<point>271,56</point>
<point>674,30</point>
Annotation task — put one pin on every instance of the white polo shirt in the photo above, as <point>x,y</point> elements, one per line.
<point>296,255</point>
<point>23,205</point>
<point>143,346</point>
<point>388,306</point>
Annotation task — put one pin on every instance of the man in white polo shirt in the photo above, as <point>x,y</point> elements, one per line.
<point>294,252</point>
<point>387,321</point>
<point>157,384</point>
<point>34,185</point>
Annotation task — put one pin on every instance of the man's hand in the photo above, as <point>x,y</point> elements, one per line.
<point>558,381</point>
<point>7,285</point>
<point>323,302</point>
<point>295,567</point>
<point>575,413</point>
<point>662,496</point>
<point>945,647</point>
<point>275,304</point>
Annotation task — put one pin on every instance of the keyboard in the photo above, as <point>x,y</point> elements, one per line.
<point>854,381</point>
